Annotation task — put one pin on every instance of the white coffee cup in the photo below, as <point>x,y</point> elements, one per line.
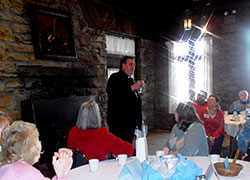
<point>214,158</point>
<point>93,165</point>
<point>122,158</point>
<point>159,153</point>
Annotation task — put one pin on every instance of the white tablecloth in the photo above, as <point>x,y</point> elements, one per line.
<point>110,170</point>
<point>232,127</point>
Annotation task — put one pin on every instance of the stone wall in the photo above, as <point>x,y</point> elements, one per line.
<point>231,70</point>
<point>146,68</point>
<point>24,77</point>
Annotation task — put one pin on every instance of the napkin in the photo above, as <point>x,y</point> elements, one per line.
<point>131,171</point>
<point>226,163</point>
<point>149,173</point>
<point>186,170</point>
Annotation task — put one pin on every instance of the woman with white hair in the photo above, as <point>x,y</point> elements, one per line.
<point>240,104</point>
<point>93,140</point>
<point>21,149</point>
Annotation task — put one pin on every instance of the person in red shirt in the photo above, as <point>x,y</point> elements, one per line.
<point>93,140</point>
<point>200,104</point>
<point>213,119</point>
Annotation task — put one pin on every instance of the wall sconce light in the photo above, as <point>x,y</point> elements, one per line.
<point>187,24</point>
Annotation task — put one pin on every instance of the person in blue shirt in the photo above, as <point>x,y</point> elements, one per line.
<point>240,105</point>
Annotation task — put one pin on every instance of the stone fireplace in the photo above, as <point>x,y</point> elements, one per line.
<point>53,98</point>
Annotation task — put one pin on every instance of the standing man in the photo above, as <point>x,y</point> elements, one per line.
<point>124,102</point>
<point>200,104</point>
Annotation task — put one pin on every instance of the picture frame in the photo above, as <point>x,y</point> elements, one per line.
<point>52,34</point>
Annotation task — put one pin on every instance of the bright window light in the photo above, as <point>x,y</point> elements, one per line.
<point>120,45</point>
<point>112,70</point>
<point>182,76</point>
<point>199,48</point>
<point>181,49</point>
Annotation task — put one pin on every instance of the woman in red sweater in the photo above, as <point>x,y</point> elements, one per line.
<point>214,124</point>
<point>93,140</point>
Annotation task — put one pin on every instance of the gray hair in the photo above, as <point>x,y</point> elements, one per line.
<point>20,142</point>
<point>244,91</point>
<point>204,93</point>
<point>89,116</point>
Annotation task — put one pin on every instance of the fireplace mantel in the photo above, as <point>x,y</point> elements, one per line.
<point>43,71</point>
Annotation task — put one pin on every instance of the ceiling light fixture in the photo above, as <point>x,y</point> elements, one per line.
<point>187,24</point>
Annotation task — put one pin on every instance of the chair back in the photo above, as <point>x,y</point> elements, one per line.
<point>79,158</point>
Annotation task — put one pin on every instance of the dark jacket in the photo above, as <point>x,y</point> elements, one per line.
<point>124,106</point>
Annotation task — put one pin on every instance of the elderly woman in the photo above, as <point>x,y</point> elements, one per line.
<point>240,104</point>
<point>21,148</point>
<point>188,135</point>
<point>93,140</point>
<point>213,119</point>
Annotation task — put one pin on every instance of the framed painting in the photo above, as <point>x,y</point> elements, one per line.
<point>52,34</point>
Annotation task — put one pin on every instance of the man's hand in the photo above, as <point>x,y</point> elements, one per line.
<point>137,85</point>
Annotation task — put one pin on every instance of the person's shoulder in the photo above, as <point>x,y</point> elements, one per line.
<point>205,104</point>
<point>194,103</point>
<point>73,129</point>
<point>103,129</point>
<point>197,125</point>
<point>21,170</point>
<point>116,75</point>
<point>175,128</point>
<point>236,102</point>
<point>220,112</point>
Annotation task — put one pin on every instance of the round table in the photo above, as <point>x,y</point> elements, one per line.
<point>107,170</point>
<point>203,162</point>
<point>232,127</point>
<point>110,170</point>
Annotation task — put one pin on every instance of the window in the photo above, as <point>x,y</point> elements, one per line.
<point>190,70</point>
<point>120,46</point>
<point>117,47</point>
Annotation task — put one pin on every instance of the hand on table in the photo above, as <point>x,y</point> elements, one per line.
<point>62,162</point>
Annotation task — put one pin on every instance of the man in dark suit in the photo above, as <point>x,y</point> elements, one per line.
<point>124,102</point>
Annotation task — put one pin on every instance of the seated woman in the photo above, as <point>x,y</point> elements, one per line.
<point>93,140</point>
<point>240,104</point>
<point>213,119</point>
<point>21,148</point>
<point>188,136</point>
<point>5,120</point>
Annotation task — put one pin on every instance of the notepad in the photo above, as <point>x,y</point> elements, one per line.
<point>209,172</point>
<point>131,171</point>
